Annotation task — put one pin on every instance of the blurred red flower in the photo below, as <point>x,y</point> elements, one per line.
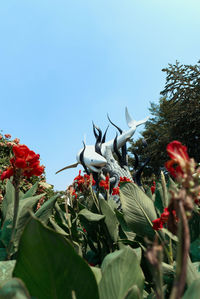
<point>178,154</point>
<point>115,191</point>
<point>7,136</point>
<point>105,184</point>
<point>26,160</point>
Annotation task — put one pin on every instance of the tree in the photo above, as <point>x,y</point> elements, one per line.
<point>175,117</point>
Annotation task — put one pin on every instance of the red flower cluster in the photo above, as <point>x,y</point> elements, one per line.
<point>8,136</point>
<point>84,181</point>
<point>115,191</point>
<point>153,187</point>
<point>158,223</point>
<point>105,184</point>
<point>124,180</point>
<point>26,160</point>
<point>178,154</point>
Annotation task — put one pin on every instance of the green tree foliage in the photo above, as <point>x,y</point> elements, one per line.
<point>175,117</point>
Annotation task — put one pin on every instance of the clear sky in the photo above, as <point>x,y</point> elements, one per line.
<point>64,63</point>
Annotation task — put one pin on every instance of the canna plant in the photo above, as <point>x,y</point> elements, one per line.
<point>82,246</point>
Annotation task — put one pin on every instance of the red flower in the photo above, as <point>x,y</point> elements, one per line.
<point>74,194</point>
<point>26,160</point>
<point>157,224</point>
<point>177,152</point>
<point>115,191</point>
<point>165,215</point>
<point>8,136</point>
<point>84,181</point>
<point>7,173</point>
<point>174,169</point>
<point>78,177</point>
<point>124,180</point>
<point>16,140</point>
<point>153,187</point>
<point>105,184</point>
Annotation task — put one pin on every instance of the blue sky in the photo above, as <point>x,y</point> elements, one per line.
<point>65,63</point>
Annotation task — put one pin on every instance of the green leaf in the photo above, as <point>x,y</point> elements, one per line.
<point>195,250</point>
<point>25,205</point>
<point>3,254</point>
<point>159,199</point>
<point>31,191</point>
<point>133,293</point>
<point>110,220</point>
<point>149,193</point>
<point>8,199</point>
<point>97,273</point>
<point>193,291</point>
<point>138,210</point>
<point>192,273</point>
<point>120,271</point>
<point>14,289</point>
<point>45,211</point>
<point>50,267</point>
<point>91,216</point>
<point>6,269</point>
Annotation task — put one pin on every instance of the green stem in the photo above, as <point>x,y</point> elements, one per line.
<point>16,181</point>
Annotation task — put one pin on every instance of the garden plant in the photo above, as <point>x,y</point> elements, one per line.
<point>81,245</point>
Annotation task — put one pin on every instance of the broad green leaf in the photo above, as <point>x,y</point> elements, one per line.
<point>91,216</point>
<point>6,269</point>
<point>159,199</point>
<point>110,220</point>
<point>97,273</point>
<point>6,232</point>
<point>197,266</point>
<point>193,291</point>
<point>126,230</point>
<point>149,193</point>
<point>138,210</point>
<point>133,293</point>
<point>56,227</point>
<point>45,211</point>
<point>195,250</point>
<point>25,205</point>
<point>194,225</point>
<point>3,254</point>
<point>14,289</point>
<point>192,273</point>
<point>120,271</point>
<point>8,199</point>
<point>31,191</point>
<point>50,267</point>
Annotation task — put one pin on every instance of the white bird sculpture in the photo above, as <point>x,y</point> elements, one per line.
<point>93,160</point>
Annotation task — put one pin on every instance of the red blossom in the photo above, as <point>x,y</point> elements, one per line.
<point>124,180</point>
<point>74,194</point>
<point>7,173</point>
<point>178,154</point>
<point>157,224</point>
<point>174,169</point>
<point>165,215</point>
<point>177,151</point>
<point>26,160</point>
<point>115,191</point>
<point>153,187</point>
<point>16,140</point>
<point>8,136</point>
<point>84,181</point>
<point>105,184</point>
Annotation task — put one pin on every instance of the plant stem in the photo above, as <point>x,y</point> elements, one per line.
<point>16,181</point>
<point>182,253</point>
